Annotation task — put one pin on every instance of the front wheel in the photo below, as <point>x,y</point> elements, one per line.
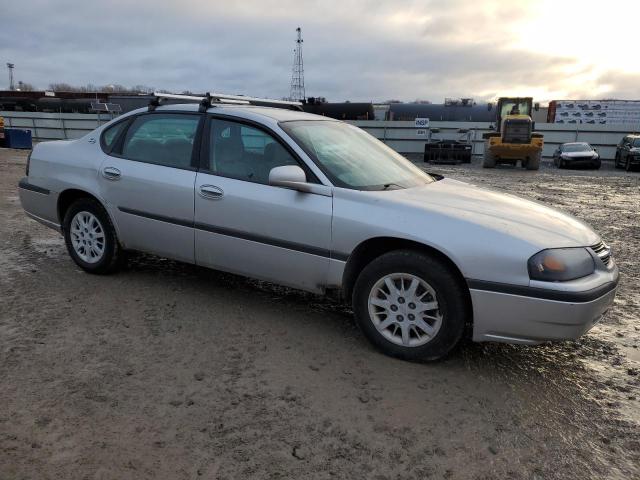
<point>488,159</point>
<point>91,238</point>
<point>411,305</point>
<point>533,163</point>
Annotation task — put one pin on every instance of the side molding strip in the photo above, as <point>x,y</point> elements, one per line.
<point>25,185</point>
<point>275,242</point>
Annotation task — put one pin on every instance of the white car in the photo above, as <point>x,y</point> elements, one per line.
<point>320,205</point>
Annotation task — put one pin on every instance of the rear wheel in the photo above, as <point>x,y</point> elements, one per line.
<point>410,305</point>
<point>616,162</point>
<point>627,166</point>
<point>90,237</point>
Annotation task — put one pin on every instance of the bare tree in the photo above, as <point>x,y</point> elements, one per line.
<point>91,88</point>
<point>25,87</point>
<point>62,87</point>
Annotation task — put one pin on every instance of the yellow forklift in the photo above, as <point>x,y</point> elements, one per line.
<point>514,138</point>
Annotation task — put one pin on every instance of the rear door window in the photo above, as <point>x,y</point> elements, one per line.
<point>162,138</point>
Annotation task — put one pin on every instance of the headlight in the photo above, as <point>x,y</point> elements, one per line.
<point>561,264</point>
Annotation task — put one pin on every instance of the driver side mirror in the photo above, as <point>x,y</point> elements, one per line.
<point>293,177</point>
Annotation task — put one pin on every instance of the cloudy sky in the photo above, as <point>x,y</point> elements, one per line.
<point>353,49</point>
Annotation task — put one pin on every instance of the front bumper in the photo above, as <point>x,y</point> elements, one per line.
<point>529,316</point>
<point>581,160</point>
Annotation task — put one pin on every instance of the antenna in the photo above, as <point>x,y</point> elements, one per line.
<point>10,66</point>
<point>297,93</point>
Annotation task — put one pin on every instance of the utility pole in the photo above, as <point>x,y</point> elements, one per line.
<point>10,67</point>
<point>297,93</point>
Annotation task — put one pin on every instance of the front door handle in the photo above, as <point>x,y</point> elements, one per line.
<point>111,173</point>
<point>211,191</point>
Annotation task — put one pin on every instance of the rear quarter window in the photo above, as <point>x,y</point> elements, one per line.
<point>110,134</point>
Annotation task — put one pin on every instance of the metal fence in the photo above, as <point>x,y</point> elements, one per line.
<point>401,136</point>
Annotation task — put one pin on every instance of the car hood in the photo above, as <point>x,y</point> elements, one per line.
<point>578,154</point>
<point>528,220</point>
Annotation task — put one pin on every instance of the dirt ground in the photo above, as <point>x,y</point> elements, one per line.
<point>168,371</point>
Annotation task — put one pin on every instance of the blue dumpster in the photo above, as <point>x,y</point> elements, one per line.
<point>17,138</point>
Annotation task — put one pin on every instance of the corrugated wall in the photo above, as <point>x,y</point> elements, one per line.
<point>54,126</point>
<point>401,136</point>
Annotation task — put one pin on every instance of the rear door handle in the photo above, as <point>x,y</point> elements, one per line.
<point>111,173</point>
<point>211,191</point>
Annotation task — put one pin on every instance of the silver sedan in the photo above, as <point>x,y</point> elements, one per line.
<point>320,205</point>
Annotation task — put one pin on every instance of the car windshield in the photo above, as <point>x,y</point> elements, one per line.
<point>351,158</point>
<point>636,143</point>
<point>576,147</point>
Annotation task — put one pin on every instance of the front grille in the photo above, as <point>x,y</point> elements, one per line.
<point>603,251</point>
<point>517,131</point>
<point>582,158</point>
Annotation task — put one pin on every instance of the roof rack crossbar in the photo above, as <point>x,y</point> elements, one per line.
<point>210,99</point>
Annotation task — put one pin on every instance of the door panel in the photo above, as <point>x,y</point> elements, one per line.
<point>245,226</point>
<point>152,205</point>
<point>148,183</point>
<point>264,232</point>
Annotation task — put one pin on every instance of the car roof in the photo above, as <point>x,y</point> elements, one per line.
<point>576,143</point>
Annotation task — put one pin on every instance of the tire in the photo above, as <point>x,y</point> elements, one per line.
<point>597,164</point>
<point>616,161</point>
<point>111,255</point>
<point>534,162</point>
<point>435,282</point>
<point>488,160</point>
<point>627,165</point>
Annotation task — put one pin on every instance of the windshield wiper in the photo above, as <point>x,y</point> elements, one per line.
<point>387,185</point>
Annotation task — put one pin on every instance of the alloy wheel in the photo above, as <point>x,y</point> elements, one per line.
<point>87,237</point>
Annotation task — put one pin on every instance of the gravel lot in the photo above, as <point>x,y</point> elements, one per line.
<point>171,371</point>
